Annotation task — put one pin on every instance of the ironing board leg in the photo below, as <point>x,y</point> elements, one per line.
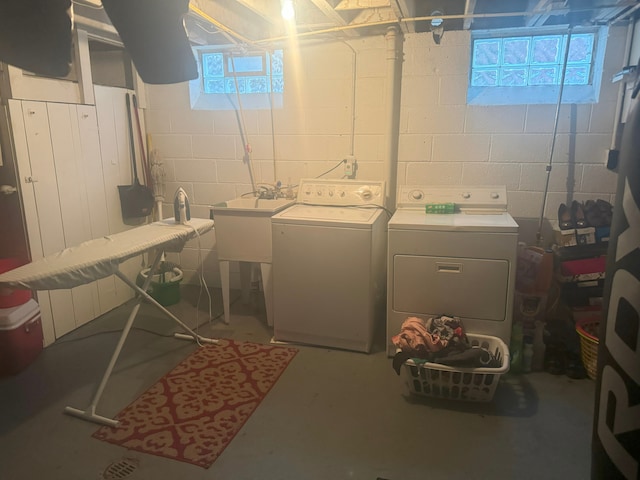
<point>192,335</point>
<point>90,412</point>
<point>224,277</point>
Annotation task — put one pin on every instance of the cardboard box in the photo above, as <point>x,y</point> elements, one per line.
<point>565,238</point>
<point>602,233</point>
<point>21,338</point>
<point>585,236</point>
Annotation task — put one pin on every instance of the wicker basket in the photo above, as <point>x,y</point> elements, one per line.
<point>470,384</point>
<point>588,331</point>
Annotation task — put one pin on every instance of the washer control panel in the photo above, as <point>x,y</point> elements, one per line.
<point>316,191</point>
<point>492,197</point>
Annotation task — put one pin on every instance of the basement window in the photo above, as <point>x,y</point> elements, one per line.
<point>229,80</point>
<point>524,67</point>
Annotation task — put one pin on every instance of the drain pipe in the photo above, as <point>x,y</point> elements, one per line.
<point>394,40</point>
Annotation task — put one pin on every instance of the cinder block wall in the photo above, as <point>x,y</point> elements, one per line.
<point>442,139</point>
<point>445,141</point>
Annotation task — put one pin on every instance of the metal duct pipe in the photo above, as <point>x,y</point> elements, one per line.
<point>394,40</point>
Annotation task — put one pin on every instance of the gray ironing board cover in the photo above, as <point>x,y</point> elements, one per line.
<point>99,258</point>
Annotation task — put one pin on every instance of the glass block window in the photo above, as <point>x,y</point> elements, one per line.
<point>225,73</point>
<point>533,60</point>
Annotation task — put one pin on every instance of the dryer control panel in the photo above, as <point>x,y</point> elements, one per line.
<point>465,198</point>
<point>314,191</point>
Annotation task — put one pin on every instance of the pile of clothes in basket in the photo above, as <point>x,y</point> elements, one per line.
<point>439,340</point>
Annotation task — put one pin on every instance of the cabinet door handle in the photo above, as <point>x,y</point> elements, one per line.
<point>30,180</point>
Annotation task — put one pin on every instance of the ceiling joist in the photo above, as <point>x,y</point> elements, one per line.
<point>252,20</point>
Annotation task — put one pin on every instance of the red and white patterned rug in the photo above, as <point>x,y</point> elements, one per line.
<point>193,412</point>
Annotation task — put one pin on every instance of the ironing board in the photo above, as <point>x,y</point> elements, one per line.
<point>100,258</point>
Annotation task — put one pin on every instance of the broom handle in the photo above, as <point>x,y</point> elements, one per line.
<point>131,141</point>
<point>145,166</point>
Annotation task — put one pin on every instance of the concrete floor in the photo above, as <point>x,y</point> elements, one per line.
<point>332,415</point>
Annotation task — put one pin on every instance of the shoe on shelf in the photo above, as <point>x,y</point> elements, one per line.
<point>606,211</point>
<point>564,218</point>
<point>592,214</point>
<point>577,214</point>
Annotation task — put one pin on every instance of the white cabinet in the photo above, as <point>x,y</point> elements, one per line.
<point>66,198</point>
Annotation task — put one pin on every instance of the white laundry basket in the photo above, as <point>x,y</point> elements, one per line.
<point>469,384</point>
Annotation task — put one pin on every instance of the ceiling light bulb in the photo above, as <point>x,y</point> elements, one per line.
<point>288,12</point>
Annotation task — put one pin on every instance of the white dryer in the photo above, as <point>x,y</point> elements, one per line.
<point>461,264</point>
<point>329,255</point>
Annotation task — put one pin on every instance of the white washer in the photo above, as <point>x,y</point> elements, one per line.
<point>329,255</point>
<point>461,264</point>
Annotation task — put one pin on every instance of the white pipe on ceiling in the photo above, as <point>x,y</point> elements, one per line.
<point>394,40</point>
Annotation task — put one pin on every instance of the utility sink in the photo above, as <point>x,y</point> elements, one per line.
<point>243,234</point>
<point>243,227</point>
<point>258,206</point>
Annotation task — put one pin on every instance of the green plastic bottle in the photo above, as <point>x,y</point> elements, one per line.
<point>440,208</point>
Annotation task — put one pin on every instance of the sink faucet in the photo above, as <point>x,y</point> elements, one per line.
<point>266,192</point>
<point>272,192</point>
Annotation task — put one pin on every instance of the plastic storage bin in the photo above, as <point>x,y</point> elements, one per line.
<point>469,384</point>
<point>21,337</point>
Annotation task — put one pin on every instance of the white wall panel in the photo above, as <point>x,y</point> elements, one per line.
<point>74,207</point>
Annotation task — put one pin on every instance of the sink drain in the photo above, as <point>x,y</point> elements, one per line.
<point>120,469</point>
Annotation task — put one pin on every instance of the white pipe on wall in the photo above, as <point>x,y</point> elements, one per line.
<point>394,40</point>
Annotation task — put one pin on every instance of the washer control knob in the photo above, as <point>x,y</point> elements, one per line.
<point>495,195</point>
<point>319,192</point>
<point>417,195</point>
<point>466,195</point>
<point>366,193</point>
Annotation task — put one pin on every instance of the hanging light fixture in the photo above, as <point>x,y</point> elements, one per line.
<point>287,11</point>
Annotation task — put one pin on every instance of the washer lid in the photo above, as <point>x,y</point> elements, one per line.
<point>462,222</point>
<point>344,216</point>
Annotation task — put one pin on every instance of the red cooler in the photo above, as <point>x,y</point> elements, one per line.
<point>21,337</point>
<point>8,296</point>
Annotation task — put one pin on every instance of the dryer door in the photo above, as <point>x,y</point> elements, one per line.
<point>463,287</point>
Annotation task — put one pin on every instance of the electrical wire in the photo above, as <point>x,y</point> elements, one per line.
<point>140,329</point>
<point>242,124</point>
<point>273,130</point>
<point>331,169</point>
<point>203,284</point>
<point>364,206</point>
<point>554,137</point>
